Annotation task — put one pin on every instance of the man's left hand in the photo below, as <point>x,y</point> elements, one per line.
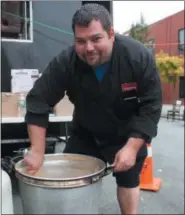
<point>126,157</point>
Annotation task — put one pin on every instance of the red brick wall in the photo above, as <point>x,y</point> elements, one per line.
<point>165,34</point>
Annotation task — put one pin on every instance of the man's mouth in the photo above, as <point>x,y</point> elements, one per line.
<point>91,56</point>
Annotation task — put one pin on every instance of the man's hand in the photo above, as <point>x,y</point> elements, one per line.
<point>35,157</point>
<point>126,157</point>
<point>34,161</point>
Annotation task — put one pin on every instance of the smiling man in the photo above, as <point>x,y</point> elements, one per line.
<point>115,87</point>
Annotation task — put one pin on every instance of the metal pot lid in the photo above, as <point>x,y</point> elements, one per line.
<point>64,167</point>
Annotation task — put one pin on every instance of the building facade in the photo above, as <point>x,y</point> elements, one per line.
<point>168,35</point>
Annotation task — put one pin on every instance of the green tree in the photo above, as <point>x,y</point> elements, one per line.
<point>170,68</point>
<point>140,30</point>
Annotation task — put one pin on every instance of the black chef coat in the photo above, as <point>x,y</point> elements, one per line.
<point>127,102</point>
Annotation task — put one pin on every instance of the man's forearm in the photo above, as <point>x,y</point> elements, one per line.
<point>37,137</point>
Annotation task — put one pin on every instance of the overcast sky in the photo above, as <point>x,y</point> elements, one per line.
<point>126,12</point>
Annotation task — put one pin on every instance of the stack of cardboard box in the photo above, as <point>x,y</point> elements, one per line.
<point>64,107</point>
<point>10,100</point>
<point>9,105</point>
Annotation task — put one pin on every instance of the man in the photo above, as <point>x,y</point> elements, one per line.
<point>114,85</point>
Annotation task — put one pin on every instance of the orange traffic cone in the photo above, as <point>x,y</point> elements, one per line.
<point>147,180</point>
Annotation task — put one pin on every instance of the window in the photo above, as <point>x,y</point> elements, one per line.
<point>16,21</point>
<point>181,39</point>
<point>150,44</point>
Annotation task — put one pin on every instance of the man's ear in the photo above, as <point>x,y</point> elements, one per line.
<point>111,34</point>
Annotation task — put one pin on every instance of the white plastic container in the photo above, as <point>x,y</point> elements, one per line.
<point>22,105</point>
<point>7,197</point>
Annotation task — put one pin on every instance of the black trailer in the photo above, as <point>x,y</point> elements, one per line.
<point>33,32</point>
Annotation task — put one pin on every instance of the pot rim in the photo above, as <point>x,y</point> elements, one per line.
<point>60,183</point>
<point>21,174</point>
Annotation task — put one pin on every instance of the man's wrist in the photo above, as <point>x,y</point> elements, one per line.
<point>138,135</point>
<point>135,143</point>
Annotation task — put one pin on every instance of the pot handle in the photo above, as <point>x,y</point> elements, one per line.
<point>21,154</point>
<point>108,170</point>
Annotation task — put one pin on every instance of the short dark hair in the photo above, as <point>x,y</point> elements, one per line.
<point>89,12</point>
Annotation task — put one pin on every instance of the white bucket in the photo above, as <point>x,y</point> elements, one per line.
<point>7,197</point>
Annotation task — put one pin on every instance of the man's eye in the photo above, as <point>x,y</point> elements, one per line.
<point>96,39</point>
<point>80,41</point>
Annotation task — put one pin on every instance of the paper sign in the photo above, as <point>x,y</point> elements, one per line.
<point>32,72</point>
<point>23,79</point>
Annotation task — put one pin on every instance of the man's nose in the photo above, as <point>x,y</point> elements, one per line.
<point>89,47</point>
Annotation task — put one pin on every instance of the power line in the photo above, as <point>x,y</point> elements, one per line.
<point>39,23</point>
<point>163,44</point>
<point>70,33</point>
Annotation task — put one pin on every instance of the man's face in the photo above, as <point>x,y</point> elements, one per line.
<point>93,44</point>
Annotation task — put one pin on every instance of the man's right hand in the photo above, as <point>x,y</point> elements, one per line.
<point>34,161</point>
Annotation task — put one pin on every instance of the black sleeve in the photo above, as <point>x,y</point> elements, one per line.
<point>47,91</point>
<point>144,124</point>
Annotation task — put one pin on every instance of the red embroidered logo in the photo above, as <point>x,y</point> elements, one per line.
<point>129,86</point>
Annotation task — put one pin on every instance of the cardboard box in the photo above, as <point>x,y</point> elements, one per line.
<point>64,107</point>
<point>9,104</point>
